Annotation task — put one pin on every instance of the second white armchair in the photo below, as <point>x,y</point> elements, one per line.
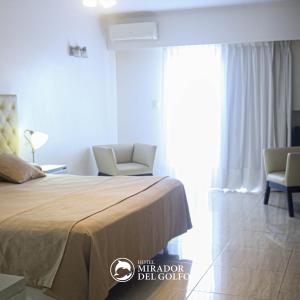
<point>125,159</point>
<point>283,173</point>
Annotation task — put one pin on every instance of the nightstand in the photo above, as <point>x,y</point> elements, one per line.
<point>54,169</point>
<point>12,287</point>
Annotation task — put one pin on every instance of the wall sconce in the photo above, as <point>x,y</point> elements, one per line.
<point>77,51</point>
<point>36,140</point>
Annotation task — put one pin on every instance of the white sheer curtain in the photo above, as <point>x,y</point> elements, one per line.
<point>191,115</point>
<point>221,106</point>
<point>256,111</point>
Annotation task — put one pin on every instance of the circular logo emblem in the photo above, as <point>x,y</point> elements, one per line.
<point>122,269</point>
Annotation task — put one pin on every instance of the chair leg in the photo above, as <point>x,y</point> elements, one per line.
<point>290,204</point>
<point>267,193</point>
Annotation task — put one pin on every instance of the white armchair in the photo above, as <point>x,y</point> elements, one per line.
<point>125,159</point>
<point>283,173</point>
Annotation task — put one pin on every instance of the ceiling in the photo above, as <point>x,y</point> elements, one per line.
<point>126,6</point>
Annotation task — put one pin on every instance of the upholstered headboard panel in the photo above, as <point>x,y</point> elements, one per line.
<point>8,124</point>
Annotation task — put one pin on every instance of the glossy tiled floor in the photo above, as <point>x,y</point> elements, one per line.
<point>238,249</point>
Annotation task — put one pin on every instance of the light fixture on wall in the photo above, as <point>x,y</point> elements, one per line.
<point>78,51</point>
<point>103,3</point>
<point>36,140</point>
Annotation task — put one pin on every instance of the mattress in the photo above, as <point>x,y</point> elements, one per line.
<point>63,232</point>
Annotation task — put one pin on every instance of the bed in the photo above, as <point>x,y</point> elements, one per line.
<point>62,232</point>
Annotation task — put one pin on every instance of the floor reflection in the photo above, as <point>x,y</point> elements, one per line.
<point>238,249</point>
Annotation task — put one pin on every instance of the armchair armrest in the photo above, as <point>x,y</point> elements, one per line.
<point>105,159</point>
<point>144,154</point>
<point>275,159</point>
<point>293,170</point>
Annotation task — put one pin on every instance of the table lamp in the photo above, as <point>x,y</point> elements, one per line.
<point>36,140</point>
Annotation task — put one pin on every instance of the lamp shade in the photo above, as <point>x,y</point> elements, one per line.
<point>36,139</point>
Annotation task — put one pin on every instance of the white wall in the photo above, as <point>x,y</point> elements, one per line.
<point>71,99</point>
<point>247,23</point>
<point>139,79</point>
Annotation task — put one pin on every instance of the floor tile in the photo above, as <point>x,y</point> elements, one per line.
<point>268,219</point>
<point>149,291</point>
<point>194,270</point>
<point>261,240</point>
<point>256,259</point>
<point>233,202</point>
<point>296,247</point>
<point>213,296</point>
<point>279,199</point>
<point>201,253</point>
<point>288,296</point>
<point>290,289</point>
<point>294,263</point>
<point>238,249</point>
<point>161,289</point>
<point>214,231</point>
<point>241,282</point>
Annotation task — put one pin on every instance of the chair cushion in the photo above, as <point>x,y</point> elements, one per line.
<point>144,154</point>
<point>132,169</point>
<point>123,152</point>
<point>277,177</point>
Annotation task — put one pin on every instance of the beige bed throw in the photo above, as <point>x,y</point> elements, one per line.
<point>34,232</point>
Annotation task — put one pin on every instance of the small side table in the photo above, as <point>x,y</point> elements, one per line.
<point>54,169</point>
<point>12,287</point>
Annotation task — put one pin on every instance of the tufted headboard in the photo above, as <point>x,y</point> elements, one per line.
<point>8,124</point>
